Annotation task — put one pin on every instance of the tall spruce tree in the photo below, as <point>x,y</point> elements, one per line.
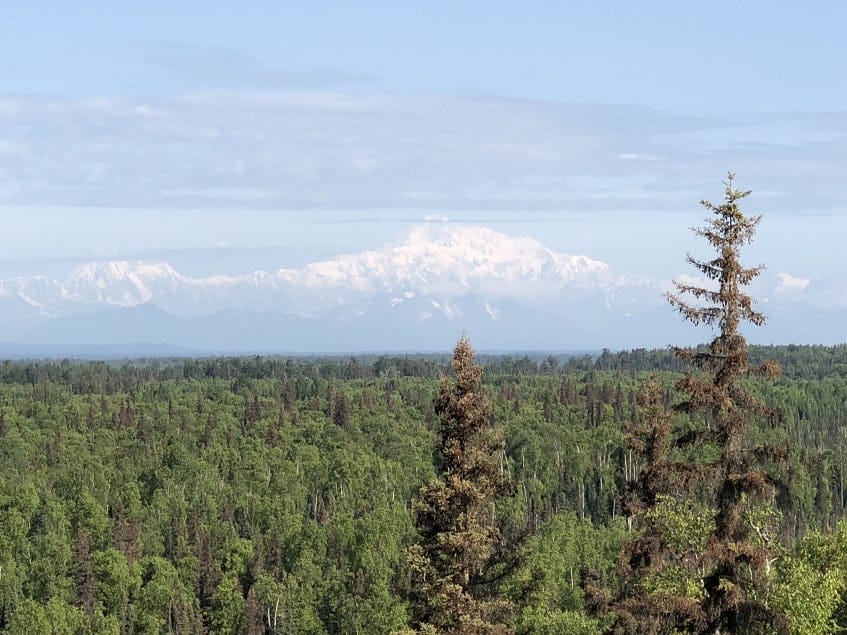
<point>454,567</point>
<point>725,557</point>
<point>736,581</point>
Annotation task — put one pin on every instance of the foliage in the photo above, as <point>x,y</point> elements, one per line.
<point>736,585</point>
<point>455,566</point>
<point>681,574</point>
<point>196,477</point>
<point>811,581</point>
<point>663,565</point>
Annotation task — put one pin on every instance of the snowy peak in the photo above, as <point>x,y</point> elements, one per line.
<point>448,258</point>
<point>117,283</point>
<point>484,247</point>
<point>442,261</point>
<point>484,251</point>
<point>456,236</point>
<point>103,273</point>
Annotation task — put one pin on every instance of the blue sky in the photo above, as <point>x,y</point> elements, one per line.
<point>268,134</point>
<point>706,58</point>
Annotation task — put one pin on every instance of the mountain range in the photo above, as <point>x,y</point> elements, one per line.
<point>506,292</point>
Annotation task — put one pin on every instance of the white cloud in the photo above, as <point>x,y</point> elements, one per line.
<point>635,156</point>
<point>321,150</point>
<point>789,284</point>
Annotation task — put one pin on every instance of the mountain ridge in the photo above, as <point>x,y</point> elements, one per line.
<point>414,294</point>
<point>447,261</point>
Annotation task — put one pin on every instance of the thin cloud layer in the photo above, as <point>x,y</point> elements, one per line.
<point>342,151</point>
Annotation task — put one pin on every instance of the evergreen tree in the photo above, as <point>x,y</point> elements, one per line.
<point>690,568</point>
<point>455,566</point>
<point>656,563</point>
<point>736,582</point>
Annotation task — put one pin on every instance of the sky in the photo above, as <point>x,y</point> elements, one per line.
<point>225,137</point>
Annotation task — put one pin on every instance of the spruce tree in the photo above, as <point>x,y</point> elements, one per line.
<point>454,567</point>
<point>650,501</point>
<point>713,568</point>
<point>736,582</point>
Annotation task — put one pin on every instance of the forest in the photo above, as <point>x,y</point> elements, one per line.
<point>644,491</point>
<point>266,495</point>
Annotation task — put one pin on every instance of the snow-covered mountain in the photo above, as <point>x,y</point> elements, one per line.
<point>441,261</point>
<point>507,292</point>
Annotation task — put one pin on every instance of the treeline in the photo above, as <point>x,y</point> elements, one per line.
<point>273,496</point>
<point>797,362</point>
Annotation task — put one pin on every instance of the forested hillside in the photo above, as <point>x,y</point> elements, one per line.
<point>266,495</point>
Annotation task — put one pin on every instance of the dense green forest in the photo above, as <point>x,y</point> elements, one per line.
<point>269,495</point>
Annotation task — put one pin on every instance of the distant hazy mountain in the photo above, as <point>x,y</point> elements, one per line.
<point>506,292</point>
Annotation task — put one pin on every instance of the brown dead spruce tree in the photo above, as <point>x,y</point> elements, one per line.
<point>638,608</point>
<point>454,568</point>
<point>734,564</point>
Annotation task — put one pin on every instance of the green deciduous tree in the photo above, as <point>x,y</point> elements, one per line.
<point>811,582</point>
